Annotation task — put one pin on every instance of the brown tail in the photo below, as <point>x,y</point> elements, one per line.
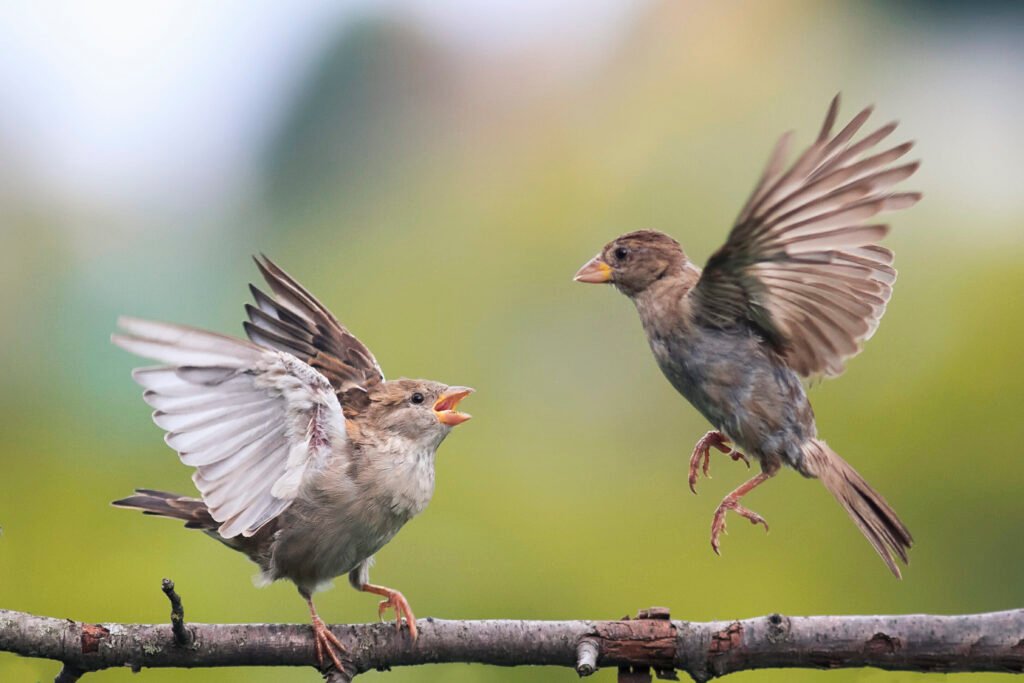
<point>866,507</point>
<point>192,510</point>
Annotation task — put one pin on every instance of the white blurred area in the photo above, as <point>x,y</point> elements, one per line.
<point>166,104</point>
<point>162,109</point>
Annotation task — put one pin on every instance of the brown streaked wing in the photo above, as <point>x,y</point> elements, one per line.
<point>293,320</point>
<point>802,261</point>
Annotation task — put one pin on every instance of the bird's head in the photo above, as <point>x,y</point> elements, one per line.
<point>415,409</point>
<point>632,262</point>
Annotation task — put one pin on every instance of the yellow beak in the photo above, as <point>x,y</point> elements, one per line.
<point>596,271</point>
<point>444,407</point>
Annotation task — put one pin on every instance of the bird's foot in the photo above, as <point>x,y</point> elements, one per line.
<point>394,600</point>
<point>701,458</point>
<point>397,602</point>
<point>718,521</point>
<point>326,642</point>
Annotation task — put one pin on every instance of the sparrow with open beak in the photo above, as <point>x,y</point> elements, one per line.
<point>305,458</point>
<point>798,285</point>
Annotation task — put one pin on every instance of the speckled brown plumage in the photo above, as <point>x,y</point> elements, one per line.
<point>306,459</point>
<point>798,286</point>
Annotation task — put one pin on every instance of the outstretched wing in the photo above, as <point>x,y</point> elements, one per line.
<point>292,320</point>
<point>802,262</point>
<point>252,421</point>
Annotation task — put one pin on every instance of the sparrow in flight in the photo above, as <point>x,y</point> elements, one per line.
<point>800,283</point>
<point>306,459</point>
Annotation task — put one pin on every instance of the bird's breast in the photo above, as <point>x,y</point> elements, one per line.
<point>397,479</point>
<point>740,386</point>
<point>350,511</point>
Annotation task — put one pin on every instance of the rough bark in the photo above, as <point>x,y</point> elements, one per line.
<point>927,643</point>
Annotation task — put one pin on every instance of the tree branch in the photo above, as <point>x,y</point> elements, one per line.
<point>980,642</point>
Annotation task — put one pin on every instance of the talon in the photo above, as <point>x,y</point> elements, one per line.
<point>754,518</point>
<point>700,460</point>
<point>394,600</point>
<point>323,639</point>
<point>731,502</point>
<point>715,533</point>
<point>717,529</point>
<point>736,455</point>
<point>319,648</point>
<point>384,606</point>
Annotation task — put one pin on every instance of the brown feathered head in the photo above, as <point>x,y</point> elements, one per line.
<point>632,262</point>
<point>412,408</point>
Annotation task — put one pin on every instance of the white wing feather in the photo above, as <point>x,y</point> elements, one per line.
<point>252,421</point>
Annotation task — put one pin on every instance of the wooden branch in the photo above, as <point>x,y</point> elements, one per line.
<point>927,643</point>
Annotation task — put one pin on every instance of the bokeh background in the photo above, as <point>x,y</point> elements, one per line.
<point>436,171</point>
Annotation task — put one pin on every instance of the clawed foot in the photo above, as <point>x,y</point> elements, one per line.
<point>718,522</point>
<point>397,602</point>
<point>325,641</point>
<point>702,452</point>
<point>394,600</point>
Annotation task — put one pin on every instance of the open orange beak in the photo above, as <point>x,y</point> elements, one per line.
<point>596,271</point>
<point>444,407</point>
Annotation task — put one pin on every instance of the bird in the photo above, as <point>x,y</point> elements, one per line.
<point>306,459</point>
<point>800,283</point>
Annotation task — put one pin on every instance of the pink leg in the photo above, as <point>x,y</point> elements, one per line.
<point>396,601</point>
<point>702,451</point>
<point>731,502</point>
<point>324,640</point>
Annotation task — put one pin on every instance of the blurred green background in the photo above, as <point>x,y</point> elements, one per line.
<point>435,173</point>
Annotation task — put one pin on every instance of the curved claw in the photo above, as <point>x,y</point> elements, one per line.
<point>718,521</point>
<point>394,600</point>
<point>397,602</point>
<point>325,641</point>
<point>695,463</point>
<point>383,607</point>
<point>731,502</point>
<point>701,457</point>
<point>736,456</point>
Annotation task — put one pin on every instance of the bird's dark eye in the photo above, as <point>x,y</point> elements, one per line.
<point>621,253</point>
<point>417,398</point>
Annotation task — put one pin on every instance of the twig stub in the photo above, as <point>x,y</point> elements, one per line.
<point>182,635</point>
<point>587,652</point>
<point>68,674</point>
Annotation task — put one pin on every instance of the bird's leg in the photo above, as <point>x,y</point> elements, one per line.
<point>396,601</point>
<point>731,502</point>
<point>323,639</point>
<point>702,451</point>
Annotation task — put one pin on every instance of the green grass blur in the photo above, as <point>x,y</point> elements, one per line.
<point>441,217</point>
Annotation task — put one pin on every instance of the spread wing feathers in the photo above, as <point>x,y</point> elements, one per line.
<point>252,421</point>
<point>292,320</point>
<point>802,262</point>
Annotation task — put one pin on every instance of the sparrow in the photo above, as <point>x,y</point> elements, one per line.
<point>800,283</point>
<point>306,459</point>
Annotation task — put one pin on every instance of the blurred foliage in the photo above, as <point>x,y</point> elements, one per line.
<point>565,497</point>
<point>388,83</point>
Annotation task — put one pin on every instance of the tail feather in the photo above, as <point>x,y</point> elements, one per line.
<point>866,507</point>
<point>192,511</point>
